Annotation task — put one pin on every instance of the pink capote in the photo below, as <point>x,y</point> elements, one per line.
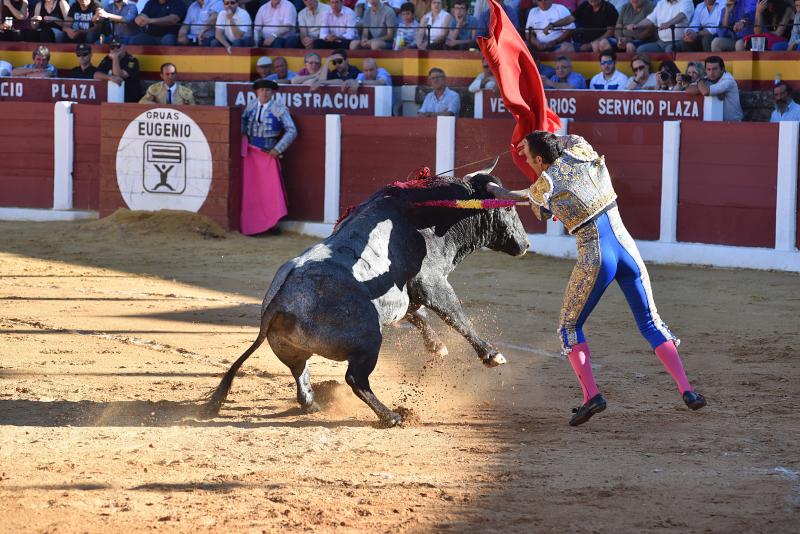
<point>263,197</point>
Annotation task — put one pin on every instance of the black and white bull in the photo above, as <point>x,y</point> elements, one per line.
<point>384,262</point>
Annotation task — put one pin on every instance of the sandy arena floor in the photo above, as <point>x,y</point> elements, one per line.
<point>107,326</point>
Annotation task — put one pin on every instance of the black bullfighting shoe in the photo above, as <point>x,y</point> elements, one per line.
<point>594,405</point>
<point>694,400</point>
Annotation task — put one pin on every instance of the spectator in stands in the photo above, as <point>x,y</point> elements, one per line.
<point>373,74</point>
<point>159,21</point>
<point>168,90</point>
<point>18,11</point>
<point>545,71</point>
<point>310,71</point>
<point>625,40</point>
<point>463,28</point>
<point>721,84</point>
<point>263,68</point>
<point>485,80</point>
<point>542,38</point>
<point>668,14</point>
<point>341,72</point>
<point>667,76</point>
<point>786,109</point>
<point>439,21</point>
<point>339,27</point>
<point>420,8</point>
<point>511,7</point>
<point>642,78</point>
<point>595,21</point>
<point>280,71</point>
<point>794,36</point>
<point>121,15</point>
<point>119,66</point>
<point>85,70</point>
<point>233,27</point>
<point>274,26</point>
<point>737,21</point>
<point>772,22</point>
<point>47,20</point>
<point>694,71</point>
<point>5,68</point>
<point>199,25</point>
<point>41,66</point>
<point>609,78</point>
<point>442,100</point>
<point>703,28</point>
<point>80,25</point>
<point>378,26</point>
<point>407,28</point>
<point>310,21</point>
<point>564,77</point>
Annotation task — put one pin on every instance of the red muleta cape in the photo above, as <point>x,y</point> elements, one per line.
<point>518,81</point>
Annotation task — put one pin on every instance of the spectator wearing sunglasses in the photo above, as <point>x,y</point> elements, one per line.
<point>341,71</point>
<point>233,27</point>
<point>85,70</point>
<point>609,78</point>
<point>200,23</point>
<point>642,78</point>
<point>121,67</point>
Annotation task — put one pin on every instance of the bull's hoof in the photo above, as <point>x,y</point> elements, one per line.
<point>493,360</point>
<point>392,419</point>
<point>209,410</point>
<point>311,408</point>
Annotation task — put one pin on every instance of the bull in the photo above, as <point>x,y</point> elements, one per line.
<point>385,261</point>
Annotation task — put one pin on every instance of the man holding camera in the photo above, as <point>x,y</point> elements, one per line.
<point>718,82</point>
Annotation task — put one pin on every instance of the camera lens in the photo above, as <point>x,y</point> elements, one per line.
<point>664,76</point>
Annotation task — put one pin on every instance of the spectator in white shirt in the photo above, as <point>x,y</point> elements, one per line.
<point>439,21</point>
<point>721,84</point>
<point>233,27</point>
<point>198,25</point>
<point>274,26</point>
<point>703,28</point>
<point>609,78</point>
<point>310,21</point>
<point>541,38</point>
<point>666,15</point>
<point>339,27</point>
<point>484,80</point>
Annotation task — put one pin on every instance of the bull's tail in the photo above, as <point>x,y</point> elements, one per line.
<point>215,399</point>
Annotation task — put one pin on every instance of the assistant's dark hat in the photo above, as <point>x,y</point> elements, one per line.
<point>82,48</point>
<point>115,41</point>
<point>265,84</point>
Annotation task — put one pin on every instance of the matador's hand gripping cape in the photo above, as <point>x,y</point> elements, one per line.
<point>518,81</point>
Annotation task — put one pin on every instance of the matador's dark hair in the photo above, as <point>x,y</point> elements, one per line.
<point>545,144</point>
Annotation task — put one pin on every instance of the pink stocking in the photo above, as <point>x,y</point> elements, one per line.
<point>582,367</point>
<point>668,354</point>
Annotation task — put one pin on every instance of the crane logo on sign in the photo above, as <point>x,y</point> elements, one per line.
<point>164,162</point>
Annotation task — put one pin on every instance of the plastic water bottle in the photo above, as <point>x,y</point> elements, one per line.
<point>777,78</point>
<point>400,42</point>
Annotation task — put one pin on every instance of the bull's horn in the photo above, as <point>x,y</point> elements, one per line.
<point>485,170</point>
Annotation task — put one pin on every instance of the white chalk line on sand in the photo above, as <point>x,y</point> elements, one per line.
<point>788,474</point>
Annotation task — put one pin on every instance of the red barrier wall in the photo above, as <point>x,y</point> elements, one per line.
<point>86,162</point>
<point>633,155</point>
<point>26,152</point>
<point>478,139</point>
<point>728,182</point>
<point>377,151</point>
<point>303,168</point>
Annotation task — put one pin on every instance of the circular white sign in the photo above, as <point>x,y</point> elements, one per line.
<point>164,162</point>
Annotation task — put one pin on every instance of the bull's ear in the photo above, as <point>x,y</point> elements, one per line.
<point>485,170</point>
